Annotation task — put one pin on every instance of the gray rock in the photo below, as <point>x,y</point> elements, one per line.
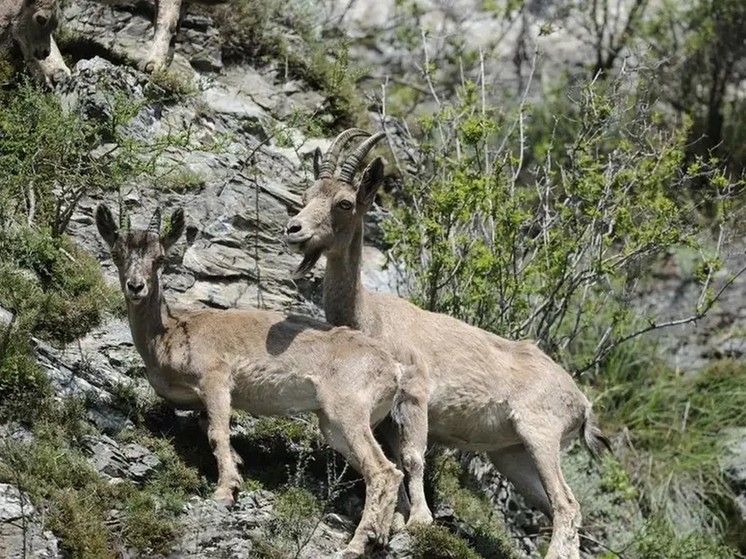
<point>213,260</point>
<point>22,532</point>
<point>96,87</point>
<point>131,461</point>
<point>5,317</point>
<point>15,432</point>
<point>212,530</point>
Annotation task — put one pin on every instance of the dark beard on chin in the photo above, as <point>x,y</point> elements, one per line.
<point>307,264</point>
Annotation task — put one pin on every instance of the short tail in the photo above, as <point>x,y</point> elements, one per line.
<point>409,407</point>
<point>595,441</point>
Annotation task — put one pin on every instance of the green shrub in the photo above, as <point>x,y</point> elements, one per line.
<point>287,33</point>
<point>658,540</point>
<point>24,389</point>
<point>56,289</point>
<point>147,526</point>
<point>482,524</point>
<point>436,542</point>
<point>297,513</point>
<point>170,86</point>
<point>57,474</point>
<point>542,249</point>
<point>78,518</point>
<point>287,429</point>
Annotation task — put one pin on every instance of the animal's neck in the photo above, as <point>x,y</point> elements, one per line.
<point>147,323</point>
<point>345,301</point>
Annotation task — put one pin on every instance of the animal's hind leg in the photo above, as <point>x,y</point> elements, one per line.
<point>166,20</point>
<point>351,435</point>
<point>516,464</point>
<point>217,399</point>
<point>543,446</point>
<point>388,432</point>
<point>410,413</point>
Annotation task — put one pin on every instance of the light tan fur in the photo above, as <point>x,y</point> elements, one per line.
<point>47,60</point>
<point>483,392</point>
<point>262,362</point>
<point>30,24</point>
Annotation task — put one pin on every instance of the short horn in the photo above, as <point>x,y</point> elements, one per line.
<point>353,160</point>
<point>155,222</point>
<point>329,162</point>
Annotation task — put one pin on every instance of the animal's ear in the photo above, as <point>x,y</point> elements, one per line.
<point>370,182</point>
<point>106,225</point>
<point>174,230</point>
<point>316,163</point>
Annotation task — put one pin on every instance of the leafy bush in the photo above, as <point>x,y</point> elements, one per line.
<point>436,542</point>
<point>55,288</point>
<point>45,153</point>
<point>482,525</point>
<point>297,513</point>
<point>542,251</point>
<point>54,470</point>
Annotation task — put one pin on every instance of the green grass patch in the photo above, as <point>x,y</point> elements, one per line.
<point>675,427</point>
<point>181,181</point>
<point>680,419</point>
<point>55,471</point>
<point>170,86</point>
<point>287,34</point>
<point>55,288</point>
<point>484,528</point>
<point>288,429</point>
<point>436,542</point>
<point>297,513</point>
<point>658,540</point>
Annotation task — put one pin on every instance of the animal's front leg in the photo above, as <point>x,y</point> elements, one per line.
<point>166,20</point>
<point>204,424</point>
<point>217,399</point>
<point>53,68</point>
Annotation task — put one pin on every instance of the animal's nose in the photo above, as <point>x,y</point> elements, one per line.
<point>41,20</point>
<point>293,226</point>
<point>135,287</point>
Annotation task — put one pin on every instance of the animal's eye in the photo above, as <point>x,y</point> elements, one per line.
<point>344,205</point>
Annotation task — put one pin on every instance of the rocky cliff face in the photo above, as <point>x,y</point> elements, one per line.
<point>244,180</point>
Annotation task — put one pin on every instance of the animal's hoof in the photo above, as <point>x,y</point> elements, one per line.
<point>224,497</point>
<point>420,517</point>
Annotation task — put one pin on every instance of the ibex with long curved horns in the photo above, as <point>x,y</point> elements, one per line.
<point>483,392</point>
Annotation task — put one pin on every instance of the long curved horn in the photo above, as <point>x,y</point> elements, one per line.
<point>329,162</point>
<point>155,222</point>
<point>353,160</point>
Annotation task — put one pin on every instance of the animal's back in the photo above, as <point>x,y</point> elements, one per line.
<point>275,360</point>
<point>480,382</point>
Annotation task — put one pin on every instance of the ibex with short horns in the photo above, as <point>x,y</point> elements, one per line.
<point>484,393</point>
<point>261,362</point>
